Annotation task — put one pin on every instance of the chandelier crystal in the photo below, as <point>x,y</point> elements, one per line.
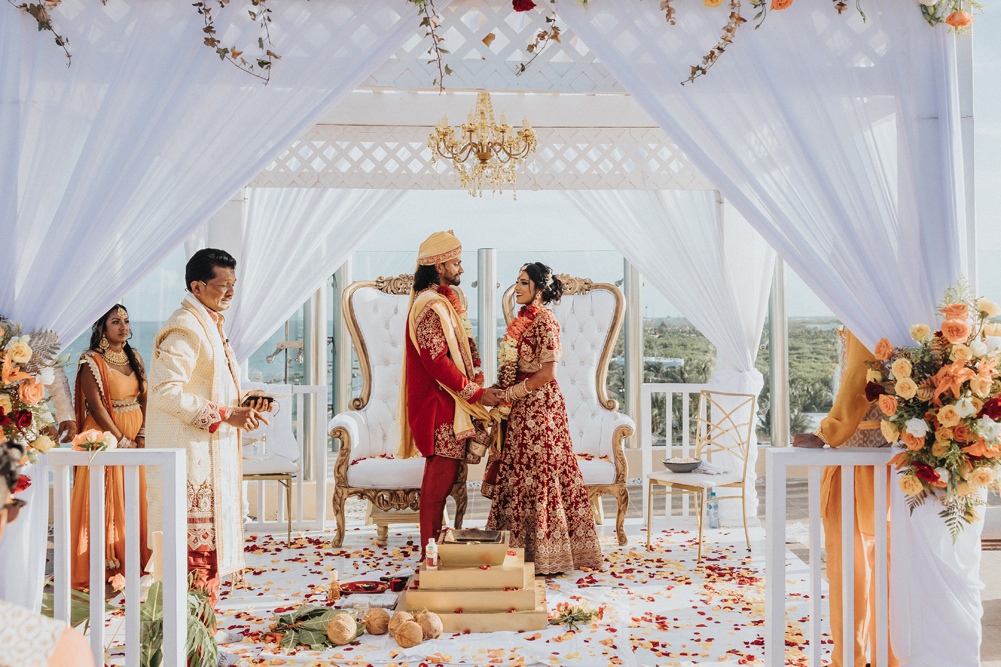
<point>486,153</point>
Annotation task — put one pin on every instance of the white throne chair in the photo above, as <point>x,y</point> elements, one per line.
<point>590,316</point>
<point>376,316</point>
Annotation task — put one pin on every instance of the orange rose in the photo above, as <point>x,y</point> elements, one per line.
<point>888,404</point>
<point>883,350</point>
<point>956,331</point>
<point>913,444</point>
<point>712,3</point>
<point>960,433</point>
<point>955,19</point>
<point>955,311</point>
<point>782,4</point>
<point>31,392</point>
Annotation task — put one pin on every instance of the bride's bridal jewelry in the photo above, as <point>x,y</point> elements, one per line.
<point>115,358</point>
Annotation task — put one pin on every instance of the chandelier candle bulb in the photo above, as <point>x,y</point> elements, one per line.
<point>503,119</point>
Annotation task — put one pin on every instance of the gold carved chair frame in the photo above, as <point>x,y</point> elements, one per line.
<point>389,498</point>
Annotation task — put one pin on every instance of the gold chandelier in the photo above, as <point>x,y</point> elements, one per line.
<point>494,150</point>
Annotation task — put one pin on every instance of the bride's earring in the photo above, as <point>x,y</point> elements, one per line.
<point>104,343</point>
<point>538,298</point>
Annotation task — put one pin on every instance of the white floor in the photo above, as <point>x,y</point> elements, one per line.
<point>659,608</point>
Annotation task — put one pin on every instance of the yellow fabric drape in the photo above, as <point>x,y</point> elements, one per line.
<point>458,348</point>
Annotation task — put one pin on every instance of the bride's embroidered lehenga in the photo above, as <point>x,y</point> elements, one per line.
<point>120,396</point>
<point>539,494</point>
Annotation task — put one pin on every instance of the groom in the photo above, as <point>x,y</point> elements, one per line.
<point>438,400</point>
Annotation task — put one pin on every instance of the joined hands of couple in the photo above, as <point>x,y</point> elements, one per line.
<point>492,397</point>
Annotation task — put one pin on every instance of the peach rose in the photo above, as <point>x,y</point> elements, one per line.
<point>888,404</point>
<point>977,404</point>
<point>988,308</point>
<point>964,489</point>
<point>883,350</point>
<point>956,311</point>
<point>31,392</point>
<point>948,416</point>
<point>712,3</point>
<point>901,368</point>
<point>43,443</point>
<point>960,352</point>
<point>783,4</point>
<point>906,388</point>
<point>910,485</point>
<point>912,443</point>
<point>20,353</point>
<point>940,448</point>
<point>5,404</point>
<point>992,329</point>
<point>943,433</point>
<point>920,332</point>
<point>889,431</point>
<point>956,331</point>
<point>960,433</point>
<point>981,476</point>
<point>981,386</point>
<point>955,19</point>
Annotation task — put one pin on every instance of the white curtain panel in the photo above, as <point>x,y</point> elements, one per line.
<point>287,244</point>
<point>108,165</point>
<point>836,138</point>
<point>711,265</point>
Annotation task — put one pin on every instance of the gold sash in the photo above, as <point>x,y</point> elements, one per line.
<point>458,348</point>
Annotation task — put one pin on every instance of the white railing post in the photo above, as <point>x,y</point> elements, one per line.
<point>777,462</point>
<point>172,463</point>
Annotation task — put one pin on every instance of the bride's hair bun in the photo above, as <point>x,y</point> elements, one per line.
<point>544,279</point>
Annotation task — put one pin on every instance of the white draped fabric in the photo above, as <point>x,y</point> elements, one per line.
<point>837,139</point>
<point>108,165</point>
<point>23,559</point>
<point>712,266</point>
<point>286,245</point>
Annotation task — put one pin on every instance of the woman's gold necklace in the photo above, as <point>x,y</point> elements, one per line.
<point>115,358</point>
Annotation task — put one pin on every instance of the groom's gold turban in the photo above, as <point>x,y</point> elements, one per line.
<point>439,247</point>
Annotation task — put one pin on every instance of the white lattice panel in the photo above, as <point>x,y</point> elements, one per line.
<point>391,157</point>
<point>567,65</point>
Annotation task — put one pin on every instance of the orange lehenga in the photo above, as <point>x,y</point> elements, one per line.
<point>120,396</point>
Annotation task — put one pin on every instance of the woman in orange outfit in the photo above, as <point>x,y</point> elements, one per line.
<point>852,422</point>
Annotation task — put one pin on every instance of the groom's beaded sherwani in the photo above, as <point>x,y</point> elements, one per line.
<point>193,380</point>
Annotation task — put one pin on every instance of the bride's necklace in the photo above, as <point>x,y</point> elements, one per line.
<point>115,358</point>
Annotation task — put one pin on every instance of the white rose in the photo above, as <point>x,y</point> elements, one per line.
<point>110,441</point>
<point>928,3</point>
<point>993,343</point>
<point>965,408</point>
<point>943,475</point>
<point>988,308</point>
<point>916,427</point>
<point>46,376</point>
<point>978,348</point>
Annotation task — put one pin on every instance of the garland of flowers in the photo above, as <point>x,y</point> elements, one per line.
<point>507,375</point>
<point>941,400</point>
<point>950,12</point>
<point>28,367</point>
<point>460,310</point>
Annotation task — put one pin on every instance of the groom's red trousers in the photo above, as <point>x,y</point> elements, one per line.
<point>439,478</point>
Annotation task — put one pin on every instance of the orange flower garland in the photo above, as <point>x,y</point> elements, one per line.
<point>508,373</point>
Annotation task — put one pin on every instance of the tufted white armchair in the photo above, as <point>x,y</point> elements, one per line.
<point>590,316</point>
<point>376,315</point>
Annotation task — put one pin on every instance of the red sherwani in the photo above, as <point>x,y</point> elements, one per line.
<point>431,413</point>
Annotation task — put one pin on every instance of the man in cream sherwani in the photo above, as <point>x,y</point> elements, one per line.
<point>194,404</point>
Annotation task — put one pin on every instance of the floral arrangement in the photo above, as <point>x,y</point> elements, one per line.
<point>27,368</point>
<point>950,12</point>
<point>93,440</point>
<point>460,310</point>
<point>569,615</point>
<point>941,399</point>
<point>507,374</point>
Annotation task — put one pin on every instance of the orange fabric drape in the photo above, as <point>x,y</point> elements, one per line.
<point>114,386</point>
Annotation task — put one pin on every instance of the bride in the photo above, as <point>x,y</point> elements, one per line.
<point>538,492</point>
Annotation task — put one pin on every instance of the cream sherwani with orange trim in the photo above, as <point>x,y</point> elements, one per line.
<point>851,413</point>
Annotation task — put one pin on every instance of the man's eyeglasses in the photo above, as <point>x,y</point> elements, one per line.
<point>13,508</point>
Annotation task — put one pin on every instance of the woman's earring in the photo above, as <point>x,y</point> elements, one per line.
<point>538,298</point>
<point>104,343</point>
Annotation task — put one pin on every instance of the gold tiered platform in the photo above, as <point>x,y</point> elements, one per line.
<point>480,587</point>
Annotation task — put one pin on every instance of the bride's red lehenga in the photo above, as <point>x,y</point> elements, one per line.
<point>539,494</point>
